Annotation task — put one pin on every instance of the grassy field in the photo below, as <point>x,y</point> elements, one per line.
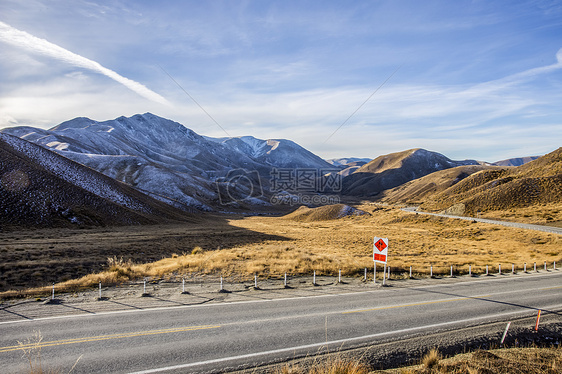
<point>546,214</point>
<point>271,246</point>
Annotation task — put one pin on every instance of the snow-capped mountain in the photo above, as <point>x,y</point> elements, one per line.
<point>167,161</point>
<point>279,153</point>
<point>518,161</point>
<point>346,162</point>
<point>349,165</point>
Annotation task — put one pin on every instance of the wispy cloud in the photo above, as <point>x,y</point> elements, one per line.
<point>30,43</point>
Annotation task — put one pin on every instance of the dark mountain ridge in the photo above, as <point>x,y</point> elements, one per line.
<point>41,188</point>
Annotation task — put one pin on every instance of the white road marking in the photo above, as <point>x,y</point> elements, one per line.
<point>333,342</point>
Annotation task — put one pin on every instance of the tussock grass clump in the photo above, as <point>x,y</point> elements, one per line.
<point>197,250</point>
<point>431,359</point>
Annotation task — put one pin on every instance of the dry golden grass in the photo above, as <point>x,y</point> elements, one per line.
<point>499,361</point>
<point>328,246</point>
<point>346,244</point>
<point>333,365</point>
<point>543,214</point>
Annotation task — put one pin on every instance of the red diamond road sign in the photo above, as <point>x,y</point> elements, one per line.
<point>380,250</point>
<point>381,245</point>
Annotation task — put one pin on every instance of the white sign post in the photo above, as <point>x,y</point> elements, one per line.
<point>380,254</point>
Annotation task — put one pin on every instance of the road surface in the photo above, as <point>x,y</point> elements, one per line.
<point>218,337</point>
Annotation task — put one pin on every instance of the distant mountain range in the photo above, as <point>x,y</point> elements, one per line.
<point>171,163</point>
<point>515,161</point>
<point>349,165</point>
<point>167,168</point>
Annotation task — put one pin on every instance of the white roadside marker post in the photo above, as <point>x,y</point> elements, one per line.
<point>512,268</point>
<point>314,278</point>
<point>470,270</point>
<point>285,281</point>
<point>100,290</point>
<point>505,333</point>
<point>53,294</point>
<point>525,267</point>
<point>256,281</point>
<point>222,289</point>
<point>500,269</point>
<point>487,270</point>
<point>545,266</point>
<point>431,271</point>
<point>365,274</point>
<point>535,267</point>
<point>451,271</point>
<point>410,272</point>
<point>339,276</point>
<point>183,291</point>
<point>554,265</point>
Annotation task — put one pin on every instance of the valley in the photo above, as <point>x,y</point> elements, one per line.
<point>144,196</point>
<point>268,246</point>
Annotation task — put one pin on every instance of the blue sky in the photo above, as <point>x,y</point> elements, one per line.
<point>470,79</point>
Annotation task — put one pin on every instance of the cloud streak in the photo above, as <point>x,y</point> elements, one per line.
<point>33,44</point>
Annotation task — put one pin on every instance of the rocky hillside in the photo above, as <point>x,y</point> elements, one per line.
<point>42,189</point>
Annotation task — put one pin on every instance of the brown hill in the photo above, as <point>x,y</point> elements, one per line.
<point>40,188</point>
<point>393,170</point>
<point>414,192</point>
<point>324,213</point>
<point>537,182</point>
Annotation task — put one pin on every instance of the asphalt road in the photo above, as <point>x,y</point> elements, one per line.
<point>526,226</point>
<point>223,336</point>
